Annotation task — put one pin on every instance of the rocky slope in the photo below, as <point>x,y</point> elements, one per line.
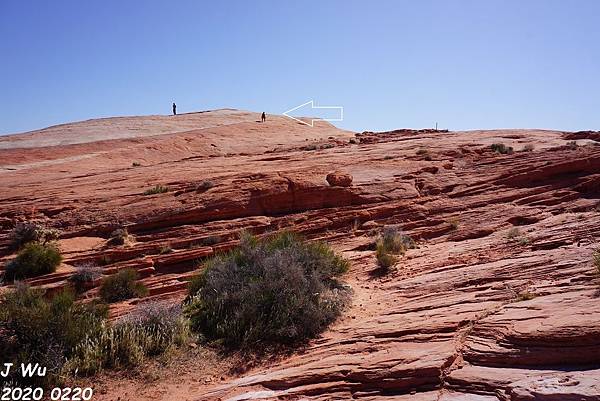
<point>500,301</point>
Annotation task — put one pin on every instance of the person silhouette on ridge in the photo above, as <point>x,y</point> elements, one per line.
<point>174,109</point>
<point>263,117</point>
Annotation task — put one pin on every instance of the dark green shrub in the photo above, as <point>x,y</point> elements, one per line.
<point>121,286</point>
<point>34,259</point>
<point>277,290</point>
<point>36,330</point>
<point>26,232</point>
<point>501,148</point>
<point>157,189</point>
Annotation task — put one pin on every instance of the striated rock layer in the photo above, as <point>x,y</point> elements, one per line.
<point>499,301</point>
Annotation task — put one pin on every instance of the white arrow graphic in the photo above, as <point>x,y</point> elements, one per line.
<point>311,103</point>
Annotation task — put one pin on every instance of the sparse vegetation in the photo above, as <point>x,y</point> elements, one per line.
<point>157,189</point>
<point>121,286</point>
<point>572,145</point>
<point>392,242</point>
<point>34,259</point>
<point>135,164</point>
<point>84,276</point>
<point>26,232</point>
<point>454,223</point>
<point>310,147</point>
<point>525,296</point>
<point>205,185</point>
<point>596,259</point>
<point>422,152</point>
<point>165,249</point>
<point>514,234</point>
<point>353,141</point>
<point>119,236</point>
<point>501,148</point>
<point>388,157</point>
<point>279,290</point>
<point>528,148</point>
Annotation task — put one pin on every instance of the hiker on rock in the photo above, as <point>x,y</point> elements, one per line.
<point>263,117</point>
<point>174,109</point>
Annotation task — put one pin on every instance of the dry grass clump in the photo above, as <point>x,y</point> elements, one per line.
<point>121,286</point>
<point>153,329</point>
<point>120,236</point>
<point>392,242</point>
<point>278,290</point>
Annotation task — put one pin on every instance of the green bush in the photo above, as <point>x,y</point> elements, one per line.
<point>34,259</point>
<point>501,148</point>
<point>280,290</point>
<point>36,330</point>
<point>121,286</point>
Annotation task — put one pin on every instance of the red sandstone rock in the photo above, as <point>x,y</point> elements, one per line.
<point>451,324</point>
<point>339,179</point>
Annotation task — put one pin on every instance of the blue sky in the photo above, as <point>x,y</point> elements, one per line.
<point>391,64</point>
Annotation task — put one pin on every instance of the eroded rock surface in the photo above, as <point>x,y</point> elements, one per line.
<point>499,301</point>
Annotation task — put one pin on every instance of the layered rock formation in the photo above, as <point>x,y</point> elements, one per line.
<point>499,301</point>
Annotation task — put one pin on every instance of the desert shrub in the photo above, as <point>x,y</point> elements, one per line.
<point>121,286</point>
<point>392,241</point>
<point>525,296</point>
<point>513,233</point>
<point>84,276</point>
<point>528,148</point>
<point>572,145</point>
<point>501,148</point>
<point>596,258</point>
<point>454,223</point>
<point>165,249</point>
<point>310,147</point>
<point>135,164</point>
<point>422,152</point>
<point>119,236</point>
<point>151,330</point>
<point>205,185</point>
<point>34,259</point>
<point>327,146</point>
<point>26,232</point>
<point>36,330</point>
<point>279,290</point>
<point>157,189</point>
<point>353,141</point>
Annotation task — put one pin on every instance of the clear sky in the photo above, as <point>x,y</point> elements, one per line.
<point>391,64</point>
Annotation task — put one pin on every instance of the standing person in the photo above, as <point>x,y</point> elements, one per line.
<point>174,109</point>
<point>263,117</point>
